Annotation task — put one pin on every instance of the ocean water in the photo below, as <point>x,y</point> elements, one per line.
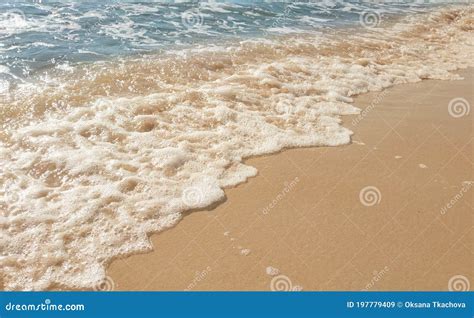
<point>118,116</point>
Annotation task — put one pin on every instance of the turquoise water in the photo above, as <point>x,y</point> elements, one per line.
<point>41,33</point>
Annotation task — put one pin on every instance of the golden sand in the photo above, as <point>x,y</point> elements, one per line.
<point>303,213</point>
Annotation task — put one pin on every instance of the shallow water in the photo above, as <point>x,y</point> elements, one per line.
<point>117,118</point>
<point>38,34</point>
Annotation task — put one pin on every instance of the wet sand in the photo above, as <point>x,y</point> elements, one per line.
<point>306,215</point>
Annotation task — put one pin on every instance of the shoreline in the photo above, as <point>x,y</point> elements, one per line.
<point>99,157</point>
<point>122,273</point>
<point>230,246</point>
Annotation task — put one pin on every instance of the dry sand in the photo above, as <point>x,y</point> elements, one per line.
<point>317,232</point>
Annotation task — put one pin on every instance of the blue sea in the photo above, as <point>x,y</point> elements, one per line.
<point>40,33</point>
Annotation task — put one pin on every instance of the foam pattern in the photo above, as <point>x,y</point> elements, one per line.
<point>94,157</point>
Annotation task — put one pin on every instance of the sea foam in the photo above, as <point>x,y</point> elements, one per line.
<point>95,158</point>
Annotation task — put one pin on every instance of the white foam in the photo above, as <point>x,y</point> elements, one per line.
<point>94,160</point>
<point>297,288</point>
<point>14,21</point>
<point>272,271</point>
<point>4,86</point>
<point>245,251</point>
<point>285,30</point>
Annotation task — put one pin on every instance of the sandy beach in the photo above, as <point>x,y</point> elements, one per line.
<point>391,211</point>
<point>219,146</point>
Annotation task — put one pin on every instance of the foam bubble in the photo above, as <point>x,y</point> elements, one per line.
<point>4,86</point>
<point>245,252</point>
<point>272,271</point>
